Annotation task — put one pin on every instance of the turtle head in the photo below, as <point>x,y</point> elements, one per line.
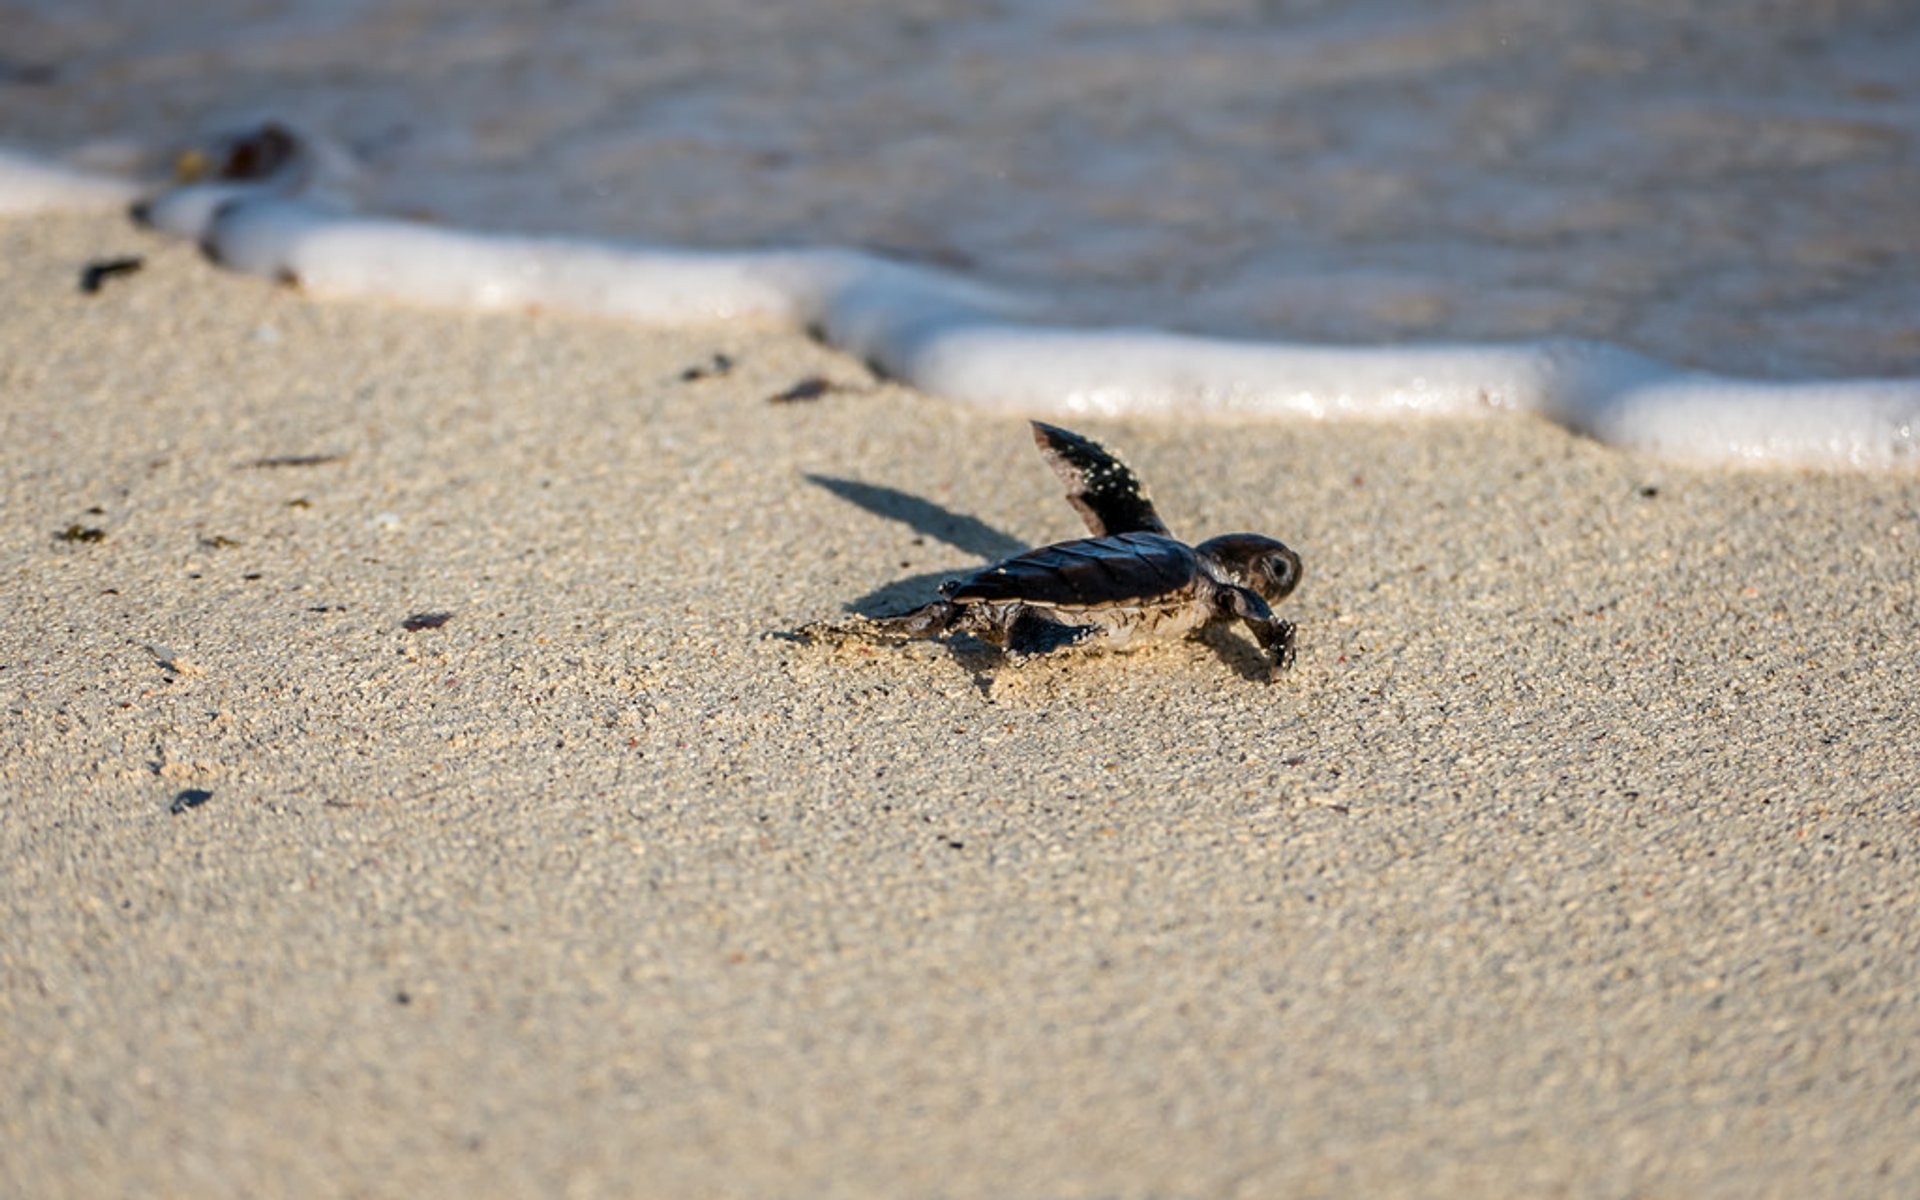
<point>1254,561</point>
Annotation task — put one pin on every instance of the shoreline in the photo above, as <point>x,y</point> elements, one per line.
<point>1574,855</point>
<point>270,208</point>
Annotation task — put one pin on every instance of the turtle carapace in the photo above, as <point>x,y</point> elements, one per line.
<point>1131,582</point>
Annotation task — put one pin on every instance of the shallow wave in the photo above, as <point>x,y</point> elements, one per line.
<point>954,337</point>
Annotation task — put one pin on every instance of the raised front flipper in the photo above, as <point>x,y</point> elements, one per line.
<point>1104,490</point>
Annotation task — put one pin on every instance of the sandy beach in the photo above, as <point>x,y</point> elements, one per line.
<point>1575,857</point>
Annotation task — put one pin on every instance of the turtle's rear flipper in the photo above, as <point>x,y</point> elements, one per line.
<point>1031,635</point>
<point>1104,490</point>
<point>929,621</point>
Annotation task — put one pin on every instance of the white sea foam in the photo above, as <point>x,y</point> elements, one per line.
<point>31,184</point>
<point>954,338</point>
<point>1603,391</point>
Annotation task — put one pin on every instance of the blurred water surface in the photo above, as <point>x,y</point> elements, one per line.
<point>1729,185</point>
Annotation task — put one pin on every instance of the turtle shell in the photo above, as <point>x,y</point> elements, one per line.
<point>1089,573</point>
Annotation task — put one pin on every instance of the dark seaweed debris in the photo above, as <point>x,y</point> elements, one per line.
<point>718,367</point>
<point>274,461</point>
<point>77,532</point>
<point>28,74</point>
<point>811,388</point>
<point>95,274</point>
<point>425,620</point>
<point>260,154</point>
<point>191,798</point>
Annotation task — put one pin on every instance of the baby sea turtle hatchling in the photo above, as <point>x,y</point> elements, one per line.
<point>1129,583</point>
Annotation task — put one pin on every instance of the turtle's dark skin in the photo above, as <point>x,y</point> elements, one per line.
<point>1131,582</point>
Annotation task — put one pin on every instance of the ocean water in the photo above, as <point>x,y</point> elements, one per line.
<point>1729,187</point>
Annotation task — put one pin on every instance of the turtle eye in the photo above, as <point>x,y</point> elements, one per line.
<point>1281,570</point>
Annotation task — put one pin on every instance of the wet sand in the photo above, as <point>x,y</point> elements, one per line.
<point>1574,857</point>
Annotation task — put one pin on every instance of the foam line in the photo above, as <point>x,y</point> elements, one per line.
<point>29,185</point>
<point>956,338</point>
<point>953,338</point>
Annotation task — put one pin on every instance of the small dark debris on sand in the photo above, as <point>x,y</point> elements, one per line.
<point>718,367</point>
<point>275,461</point>
<point>77,532</point>
<point>811,388</point>
<point>218,541</point>
<point>425,620</point>
<point>191,798</point>
<point>95,274</point>
<point>28,74</point>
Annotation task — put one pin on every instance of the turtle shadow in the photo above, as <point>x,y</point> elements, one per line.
<point>901,595</point>
<point>924,517</point>
<point>928,519</point>
<point>1236,653</point>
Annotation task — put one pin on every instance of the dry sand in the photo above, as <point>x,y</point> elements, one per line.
<point>1576,856</point>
